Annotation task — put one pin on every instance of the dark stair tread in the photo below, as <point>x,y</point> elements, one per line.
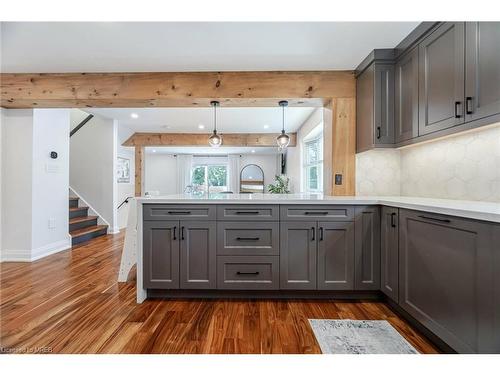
<point>83,231</point>
<point>73,198</point>
<point>77,208</point>
<point>80,219</point>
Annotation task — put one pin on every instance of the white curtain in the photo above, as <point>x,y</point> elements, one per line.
<point>184,163</point>
<point>233,173</point>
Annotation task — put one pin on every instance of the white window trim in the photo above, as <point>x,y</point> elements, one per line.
<point>305,165</point>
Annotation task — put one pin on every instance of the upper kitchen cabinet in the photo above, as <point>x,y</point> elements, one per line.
<point>406,97</point>
<point>441,78</point>
<point>375,106</point>
<point>482,69</point>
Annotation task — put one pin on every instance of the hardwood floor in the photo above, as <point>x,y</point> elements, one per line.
<point>70,302</point>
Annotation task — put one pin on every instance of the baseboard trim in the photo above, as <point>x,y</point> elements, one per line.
<point>114,230</point>
<point>25,255</point>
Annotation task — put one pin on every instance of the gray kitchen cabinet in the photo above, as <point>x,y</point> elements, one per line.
<point>198,262</point>
<point>161,254</point>
<point>441,78</point>
<point>298,255</point>
<point>335,256</point>
<point>375,107</point>
<point>482,69</point>
<point>317,212</point>
<point>389,253</point>
<point>248,212</point>
<point>367,248</point>
<point>248,238</point>
<point>248,272</point>
<point>446,278</point>
<point>406,97</point>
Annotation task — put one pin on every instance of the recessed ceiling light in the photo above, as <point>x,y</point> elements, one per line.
<point>253,151</point>
<point>154,150</point>
<point>266,126</point>
<point>134,115</point>
<point>201,126</point>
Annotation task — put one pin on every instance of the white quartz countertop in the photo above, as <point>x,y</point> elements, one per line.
<point>488,211</point>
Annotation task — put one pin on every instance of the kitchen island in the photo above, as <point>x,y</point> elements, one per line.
<point>434,259</point>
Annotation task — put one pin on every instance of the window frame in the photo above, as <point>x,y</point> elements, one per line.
<point>307,164</point>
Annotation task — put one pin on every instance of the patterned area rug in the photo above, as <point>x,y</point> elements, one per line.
<point>343,336</point>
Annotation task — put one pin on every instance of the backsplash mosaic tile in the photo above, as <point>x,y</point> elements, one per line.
<point>464,167</point>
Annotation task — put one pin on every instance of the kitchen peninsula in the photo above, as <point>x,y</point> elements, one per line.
<point>425,256</point>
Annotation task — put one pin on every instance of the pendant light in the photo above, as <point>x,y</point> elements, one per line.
<point>215,140</point>
<point>283,140</point>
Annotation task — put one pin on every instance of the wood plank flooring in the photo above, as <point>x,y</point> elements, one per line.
<point>70,302</point>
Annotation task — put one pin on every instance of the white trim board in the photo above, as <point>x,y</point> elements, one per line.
<point>23,255</point>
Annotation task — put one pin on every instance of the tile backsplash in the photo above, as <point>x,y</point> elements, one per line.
<point>465,167</point>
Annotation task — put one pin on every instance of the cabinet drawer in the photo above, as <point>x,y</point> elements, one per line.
<point>318,212</point>
<point>248,272</point>
<point>247,213</point>
<point>249,238</point>
<point>178,212</point>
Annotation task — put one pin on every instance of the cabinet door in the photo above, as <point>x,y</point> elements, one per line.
<point>365,109</point>
<point>367,248</point>
<point>335,256</point>
<point>389,268</point>
<point>198,263</point>
<point>298,255</point>
<point>482,69</point>
<point>441,76</point>
<point>406,97</point>
<point>383,126</point>
<point>446,278</point>
<point>161,254</point>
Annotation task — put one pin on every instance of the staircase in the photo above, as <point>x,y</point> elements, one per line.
<point>81,226</point>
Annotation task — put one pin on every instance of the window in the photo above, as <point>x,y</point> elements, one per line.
<point>313,164</point>
<point>210,176</point>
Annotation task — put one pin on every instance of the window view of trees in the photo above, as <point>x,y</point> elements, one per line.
<point>213,176</point>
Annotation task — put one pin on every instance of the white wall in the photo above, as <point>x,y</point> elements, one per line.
<point>1,211</point>
<point>464,166</point>
<point>34,186</point>
<point>17,163</point>
<point>295,154</point>
<point>93,151</point>
<point>160,173</point>
<point>124,190</point>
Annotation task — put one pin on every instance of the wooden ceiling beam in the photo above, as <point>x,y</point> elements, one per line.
<point>201,139</point>
<point>80,90</point>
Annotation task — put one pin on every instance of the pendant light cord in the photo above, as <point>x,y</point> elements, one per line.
<point>283,128</point>
<point>215,118</point>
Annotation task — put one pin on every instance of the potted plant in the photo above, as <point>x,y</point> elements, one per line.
<point>281,185</point>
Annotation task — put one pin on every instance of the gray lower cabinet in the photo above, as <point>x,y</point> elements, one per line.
<point>248,272</point>
<point>198,254</point>
<point>482,69</point>
<point>161,254</point>
<point>244,238</point>
<point>406,97</point>
<point>441,78</point>
<point>389,253</point>
<point>335,259</point>
<point>298,255</point>
<point>446,278</point>
<point>367,248</point>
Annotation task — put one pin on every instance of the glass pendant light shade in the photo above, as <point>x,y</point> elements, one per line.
<point>283,140</point>
<point>215,140</point>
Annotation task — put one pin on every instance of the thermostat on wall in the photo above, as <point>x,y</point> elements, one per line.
<point>53,155</point>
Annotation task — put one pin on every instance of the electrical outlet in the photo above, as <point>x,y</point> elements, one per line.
<point>52,223</point>
<point>338,179</point>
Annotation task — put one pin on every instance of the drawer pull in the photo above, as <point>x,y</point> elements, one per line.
<point>247,212</point>
<point>179,212</point>
<point>247,238</point>
<point>393,222</point>
<point>316,213</point>
<point>247,273</point>
<point>182,233</point>
<point>435,219</point>
<point>321,233</point>
<point>468,105</point>
<point>175,233</point>
<point>313,238</point>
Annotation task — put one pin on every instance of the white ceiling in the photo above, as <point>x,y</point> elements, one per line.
<point>60,47</point>
<point>187,120</point>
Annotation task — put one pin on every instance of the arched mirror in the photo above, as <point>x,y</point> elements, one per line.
<point>251,179</point>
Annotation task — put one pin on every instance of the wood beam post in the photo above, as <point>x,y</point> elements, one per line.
<point>343,122</point>
<point>139,170</point>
